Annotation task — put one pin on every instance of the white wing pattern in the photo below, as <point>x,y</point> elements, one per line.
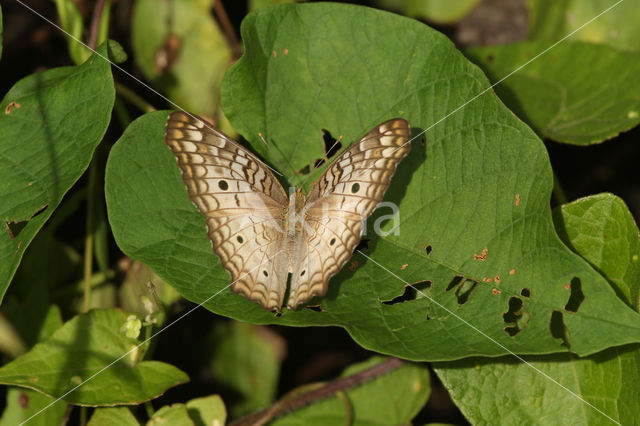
<point>259,235</point>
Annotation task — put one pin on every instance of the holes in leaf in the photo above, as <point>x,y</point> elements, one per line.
<point>558,329</point>
<point>305,170</point>
<point>428,249</point>
<point>411,292</point>
<point>525,292</point>
<point>516,317</point>
<point>15,228</point>
<point>40,211</point>
<point>464,290</point>
<point>355,188</point>
<point>223,185</point>
<point>316,308</point>
<point>454,282</point>
<point>576,297</point>
<point>331,147</point>
<point>362,245</point>
<point>239,239</point>
<point>332,242</point>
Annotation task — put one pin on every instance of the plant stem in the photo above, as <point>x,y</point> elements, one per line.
<point>291,403</point>
<point>558,192</point>
<point>132,97</point>
<point>88,241</point>
<point>96,18</point>
<point>225,23</point>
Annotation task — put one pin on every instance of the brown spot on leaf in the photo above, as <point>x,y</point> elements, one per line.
<point>487,279</point>
<point>512,272</point>
<point>11,105</point>
<point>23,400</point>
<point>497,279</point>
<point>495,291</point>
<point>403,267</point>
<point>285,51</point>
<point>517,200</point>
<point>353,265</point>
<point>275,54</point>
<point>482,256</point>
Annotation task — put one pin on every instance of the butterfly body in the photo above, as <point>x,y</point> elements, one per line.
<point>261,235</point>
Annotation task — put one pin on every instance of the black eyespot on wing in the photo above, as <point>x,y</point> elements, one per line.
<point>302,273</point>
<point>332,242</point>
<point>266,274</point>
<point>223,185</point>
<point>355,188</point>
<point>240,239</point>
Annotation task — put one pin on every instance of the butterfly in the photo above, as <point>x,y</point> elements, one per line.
<point>259,233</point>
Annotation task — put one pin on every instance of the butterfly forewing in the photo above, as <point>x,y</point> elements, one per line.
<point>340,201</point>
<point>243,202</point>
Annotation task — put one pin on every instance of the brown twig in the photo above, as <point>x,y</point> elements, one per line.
<point>95,23</point>
<point>225,23</point>
<point>291,403</point>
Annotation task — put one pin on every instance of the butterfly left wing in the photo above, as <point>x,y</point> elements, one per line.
<point>338,204</point>
<point>243,202</point>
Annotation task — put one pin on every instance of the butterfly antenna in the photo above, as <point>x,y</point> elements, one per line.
<point>281,154</point>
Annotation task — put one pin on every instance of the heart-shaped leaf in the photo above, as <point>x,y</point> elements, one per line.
<point>475,229</point>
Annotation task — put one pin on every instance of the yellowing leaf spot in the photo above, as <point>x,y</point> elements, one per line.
<point>417,386</point>
<point>403,267</point>
<point>634,258</point>
<point>632,114</point>
<point>75,380</point>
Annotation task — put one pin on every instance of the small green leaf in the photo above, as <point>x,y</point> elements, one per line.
<point>90,361</point>
<point>605,386</point>
<point>113,416</point>
<point>246,360</point>
<point>207,411</point>
<point>602,230</point>
<point>370,403</point>
<point>71,22</point>
<point>51,123</point>
<point>442,12</point>
<point>180,48</point>
<point>175,415</point>
<point>617,27</point>
<point>569,93</point>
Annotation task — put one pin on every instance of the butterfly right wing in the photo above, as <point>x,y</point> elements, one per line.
<point>243,202</point>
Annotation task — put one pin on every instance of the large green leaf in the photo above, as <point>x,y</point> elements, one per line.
<point>91,361</point>
<point>616,27</point>
<point>579,93</point>
<point>473,204</point>
<point>605,386</point>
<point>51,123</point>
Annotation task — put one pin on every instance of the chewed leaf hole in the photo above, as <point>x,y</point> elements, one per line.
<point>516,318</point>
<point>454,282</point>
<point>464,291</point>
<point>525,292</point>
<point>362,245</point>
<point>15,228</point>
<point>428,249</point>
<point>331,147</point>
<point>316,308</point>
<point>576,297</point>
<point>411,292</point>
<point>558,329</point>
